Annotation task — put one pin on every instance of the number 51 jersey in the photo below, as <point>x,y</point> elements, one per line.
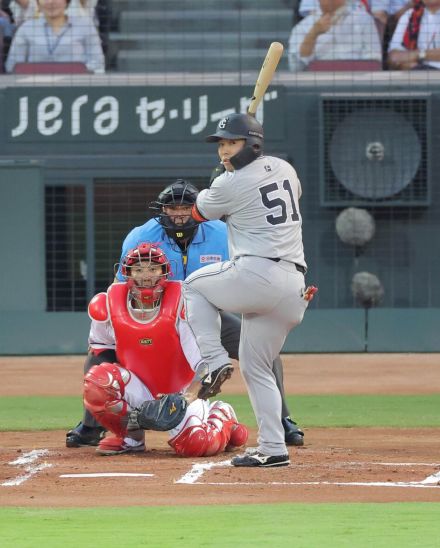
<point>261,206</point>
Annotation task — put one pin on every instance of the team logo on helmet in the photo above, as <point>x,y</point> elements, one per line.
<point>222,123</point>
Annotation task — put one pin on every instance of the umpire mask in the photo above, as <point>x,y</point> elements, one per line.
<point>179,193</point>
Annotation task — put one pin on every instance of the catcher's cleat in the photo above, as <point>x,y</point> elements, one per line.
<point>212,382</point>
<point>293,435</point>
<point>114,445</point>
<point>82,436</point>
<point>258,459</point>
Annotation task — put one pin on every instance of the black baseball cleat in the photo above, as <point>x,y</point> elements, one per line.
<point>212,382</point>
<point>293,435</point>
<point>82,435</point>
<point>258,459</point>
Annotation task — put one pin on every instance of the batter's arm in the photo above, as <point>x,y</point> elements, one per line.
<point>215,202</point>
<point>197,216</point>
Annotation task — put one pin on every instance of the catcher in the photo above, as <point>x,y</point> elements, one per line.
<point>154,384</point>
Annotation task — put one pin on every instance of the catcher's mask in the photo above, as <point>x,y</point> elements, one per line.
<point>241,126</point>
<point>147,291</point>
<point>179,193</point>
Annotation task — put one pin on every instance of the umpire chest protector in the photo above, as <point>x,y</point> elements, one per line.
<point>151,350</point>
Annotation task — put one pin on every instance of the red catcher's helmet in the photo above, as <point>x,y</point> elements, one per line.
<point>146,296</point>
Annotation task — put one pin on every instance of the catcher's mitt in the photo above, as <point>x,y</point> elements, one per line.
<point>161,415</point>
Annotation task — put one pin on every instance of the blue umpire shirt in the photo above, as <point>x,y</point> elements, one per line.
<point>209,245</point>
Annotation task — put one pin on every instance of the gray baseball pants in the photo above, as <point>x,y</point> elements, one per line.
<point>230,339</point>
<point>268,294</point>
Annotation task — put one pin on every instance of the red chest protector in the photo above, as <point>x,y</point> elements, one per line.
<point>151,350</point>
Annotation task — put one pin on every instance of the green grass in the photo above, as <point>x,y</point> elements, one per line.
<point>399,525</point>
<point>55,412</point>
<point>402,525</point>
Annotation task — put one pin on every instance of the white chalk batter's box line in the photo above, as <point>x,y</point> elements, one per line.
<point>31,467</point>
<point>432,482</point>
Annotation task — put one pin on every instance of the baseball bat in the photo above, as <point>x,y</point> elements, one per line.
<point>267,71</point>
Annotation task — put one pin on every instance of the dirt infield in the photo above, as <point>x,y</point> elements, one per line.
<point>335,465</point>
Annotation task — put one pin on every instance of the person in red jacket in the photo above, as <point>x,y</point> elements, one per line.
<point>143,321</point>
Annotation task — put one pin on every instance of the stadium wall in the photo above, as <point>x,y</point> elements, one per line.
<point>78,164</point>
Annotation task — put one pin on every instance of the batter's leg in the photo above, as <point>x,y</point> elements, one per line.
<point>206,316</point>
<point>230,337</point>
<point>262,337</point>
<point>251,285</point>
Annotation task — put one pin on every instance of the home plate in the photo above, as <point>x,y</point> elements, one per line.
<point>108,475</point>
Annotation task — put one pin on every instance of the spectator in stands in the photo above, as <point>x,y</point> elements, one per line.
<point>6,24</point>
<point>6,31</point>
<point>97,10</point>
<point>339,31</point>
<point>390,11</point>
<point>379,9</point>
<point>19,10</point>
<point>416,41</point>
<point>57,37</point>
<point>22,10</point>
<point>83,8</point>
<point>103,20</point>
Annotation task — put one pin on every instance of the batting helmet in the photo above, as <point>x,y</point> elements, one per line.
<point>180,192</point>
<point>146,296</point>
<point>241,126</point>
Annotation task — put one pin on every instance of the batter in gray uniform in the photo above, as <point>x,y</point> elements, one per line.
<point>264,281</point>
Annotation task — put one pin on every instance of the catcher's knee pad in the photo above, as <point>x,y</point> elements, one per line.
<point>192,440</point>
<point>216,441</point>
<point>222,411</point>
<point>104,388</point>
<point>220,420</point>
<point>238,436</point>
<point>223,418</point>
